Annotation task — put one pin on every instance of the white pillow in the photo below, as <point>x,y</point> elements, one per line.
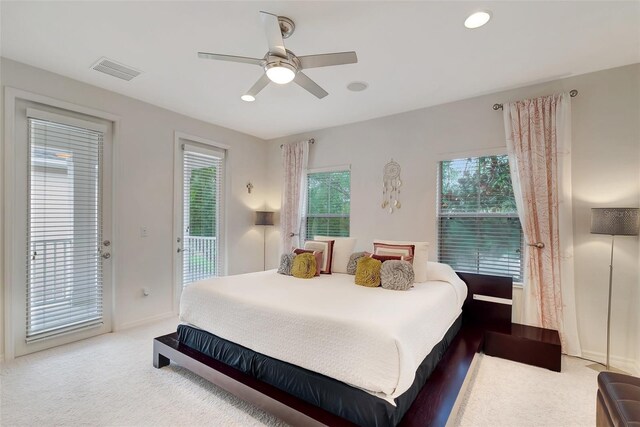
<point>342,250</point>
<point>439,271</point>
<point>420,257</point>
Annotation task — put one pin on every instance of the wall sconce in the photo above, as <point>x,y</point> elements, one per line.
<point>249,187</point>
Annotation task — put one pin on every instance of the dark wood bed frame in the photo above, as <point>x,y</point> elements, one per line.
<point>487,307</point>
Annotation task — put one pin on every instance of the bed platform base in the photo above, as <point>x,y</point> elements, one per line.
<point>288,408</point>
<point>435,405</point>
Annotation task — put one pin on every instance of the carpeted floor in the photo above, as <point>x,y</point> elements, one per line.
<point>109,380</point>
<point>505,393</point>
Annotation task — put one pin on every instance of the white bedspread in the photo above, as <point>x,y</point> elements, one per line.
<point>371,338</point>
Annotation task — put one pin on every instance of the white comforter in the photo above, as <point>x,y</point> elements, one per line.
<point>371,338</point>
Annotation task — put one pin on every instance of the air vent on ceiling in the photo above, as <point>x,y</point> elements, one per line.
<point>108,66</point>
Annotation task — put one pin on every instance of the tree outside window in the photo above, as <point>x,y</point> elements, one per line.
<point>328,204</point>
<point>478,226</point>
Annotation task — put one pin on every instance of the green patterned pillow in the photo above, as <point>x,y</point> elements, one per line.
<point>368,272</point>
<point>353,262</point>
<point>304,266</point>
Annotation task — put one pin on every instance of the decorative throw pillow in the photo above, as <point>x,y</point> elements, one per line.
<point>396,275</point>
<point>342,248</point>
<point>384,249</point>
<point>440,272</point>
<point>304,266</point>
<point>286,261</point>
<point>316,254</point>
<point>326,247</point>
<point>368,272</point>
<point>384,258</point>
<point>420,256</point>
<point>353,262</point>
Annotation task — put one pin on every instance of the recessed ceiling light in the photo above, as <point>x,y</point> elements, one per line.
<point>478,19</point>
<point>248,98</point>
<point>357,86</point>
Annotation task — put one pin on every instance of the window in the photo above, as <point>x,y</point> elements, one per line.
<point>478,226</point>
<point>203,172</point>
<point>328,204</point>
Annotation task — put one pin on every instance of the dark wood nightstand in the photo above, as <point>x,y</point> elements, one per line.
<point>525,344</point>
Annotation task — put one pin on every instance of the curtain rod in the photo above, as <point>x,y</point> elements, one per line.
<point>573,93</point>
<point>311,141</point>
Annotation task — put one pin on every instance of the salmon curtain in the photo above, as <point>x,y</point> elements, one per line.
<point>538,133</point>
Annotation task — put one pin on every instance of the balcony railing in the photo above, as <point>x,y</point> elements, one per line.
<point>200,258</point>
<point>51,271</point>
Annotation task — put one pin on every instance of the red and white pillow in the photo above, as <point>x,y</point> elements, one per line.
<point>326,247</point>
<point>418,250</point>
<point>342,250</point>
<point>383,258</point>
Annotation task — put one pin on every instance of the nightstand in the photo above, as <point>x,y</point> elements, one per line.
<point>526,344</point>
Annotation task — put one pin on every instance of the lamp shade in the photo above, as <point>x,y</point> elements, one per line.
<point>615,221</point>
<point>264,218</point>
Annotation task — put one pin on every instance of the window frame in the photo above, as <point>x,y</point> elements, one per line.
<point>491,152</point>
<point>305,213</point>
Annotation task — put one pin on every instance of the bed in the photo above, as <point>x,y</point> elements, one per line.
<point>358,353</point>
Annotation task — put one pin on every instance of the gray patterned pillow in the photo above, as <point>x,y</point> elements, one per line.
<point>353,262</point>
<point>396,275</point>
<point>286,262</point>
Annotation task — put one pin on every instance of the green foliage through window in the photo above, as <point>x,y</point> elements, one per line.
<point>328,204</point>
<point>478,226</point>
<point>202,206</point>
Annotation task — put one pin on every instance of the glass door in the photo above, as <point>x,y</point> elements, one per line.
<point>201,222</point>
<point>67,254</point>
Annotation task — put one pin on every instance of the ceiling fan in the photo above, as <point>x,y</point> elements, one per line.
<point>280,65</point>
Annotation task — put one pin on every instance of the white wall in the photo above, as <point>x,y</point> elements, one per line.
<point>606,165</point>
<point>144,191</point>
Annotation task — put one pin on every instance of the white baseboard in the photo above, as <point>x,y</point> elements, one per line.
<point>145,321</point>
<point>632,366</point>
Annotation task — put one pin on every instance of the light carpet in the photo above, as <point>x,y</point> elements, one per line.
<point>505,393</point>
<point>109,381</point>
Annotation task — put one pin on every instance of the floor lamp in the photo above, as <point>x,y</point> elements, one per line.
<point>614,222</point>
<point>264,218</point>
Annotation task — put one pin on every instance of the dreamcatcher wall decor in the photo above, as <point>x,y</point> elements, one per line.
<point>391,187</point>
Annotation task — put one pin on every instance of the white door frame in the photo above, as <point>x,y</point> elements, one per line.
<point>179,139</point>
<point>10,211</point>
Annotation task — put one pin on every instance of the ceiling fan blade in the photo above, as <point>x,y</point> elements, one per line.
<point>274,35</point>
<point>258,86</point>
<point>231,58</point>
<point>328,59</point>
<point>311,86</point>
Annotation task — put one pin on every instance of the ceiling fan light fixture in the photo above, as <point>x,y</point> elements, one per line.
<point>248,98</point>
<point>280,73</point>
<point>477,19</point>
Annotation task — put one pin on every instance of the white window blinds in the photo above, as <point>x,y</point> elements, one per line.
<point>203,174</point>
<point>328,204</point>
<point>64,232</point>
<point>478,226</point>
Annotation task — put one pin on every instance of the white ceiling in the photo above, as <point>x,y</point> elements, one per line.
<point>412,54</point>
